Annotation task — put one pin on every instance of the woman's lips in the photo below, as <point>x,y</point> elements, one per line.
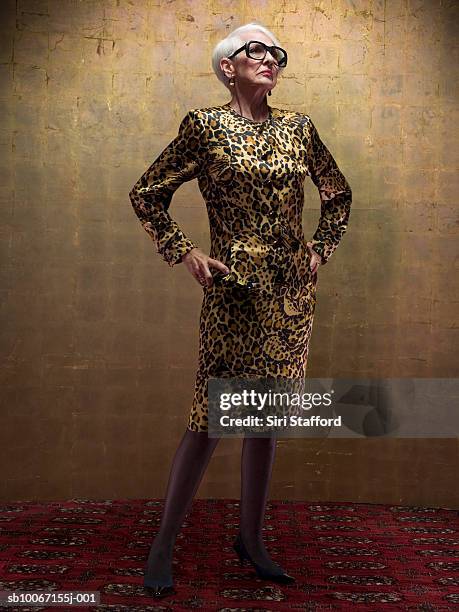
<point>267,73</point>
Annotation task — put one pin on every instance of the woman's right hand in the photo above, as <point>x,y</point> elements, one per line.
<point>316,259</point>
<point>199,264</point>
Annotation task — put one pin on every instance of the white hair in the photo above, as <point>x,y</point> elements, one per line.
<point>228,45</point>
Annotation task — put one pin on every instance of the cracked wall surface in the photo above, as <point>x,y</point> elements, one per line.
<point>100,337</point>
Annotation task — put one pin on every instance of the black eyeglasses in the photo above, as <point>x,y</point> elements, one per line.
<point>257,50</point>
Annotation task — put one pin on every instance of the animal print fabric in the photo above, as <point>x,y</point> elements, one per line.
<point>256,320</point>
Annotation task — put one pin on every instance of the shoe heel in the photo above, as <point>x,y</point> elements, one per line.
<point>240,553</point>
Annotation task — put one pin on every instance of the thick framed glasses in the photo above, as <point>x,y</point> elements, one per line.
<point>257,51</point>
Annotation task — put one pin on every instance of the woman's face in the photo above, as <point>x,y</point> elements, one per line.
<point>252,72</point>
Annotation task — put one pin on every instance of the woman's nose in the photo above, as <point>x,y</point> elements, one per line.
<point>269,59</point>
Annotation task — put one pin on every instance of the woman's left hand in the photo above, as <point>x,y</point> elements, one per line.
<point>316,259</point>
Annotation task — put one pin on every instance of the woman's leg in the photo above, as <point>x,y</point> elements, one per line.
<point>188,466</point>
<point>256,470</point>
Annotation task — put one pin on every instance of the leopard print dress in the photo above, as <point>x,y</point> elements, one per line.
<point>257,320</point>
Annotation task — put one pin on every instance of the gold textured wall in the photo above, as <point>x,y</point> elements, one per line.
<point>100,336</point>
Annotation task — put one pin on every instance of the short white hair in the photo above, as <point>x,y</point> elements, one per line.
<point>228,45</point>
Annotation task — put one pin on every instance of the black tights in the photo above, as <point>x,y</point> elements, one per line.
<point>188,467</point>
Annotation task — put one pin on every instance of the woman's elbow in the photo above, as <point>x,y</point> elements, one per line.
<point>134,194</point>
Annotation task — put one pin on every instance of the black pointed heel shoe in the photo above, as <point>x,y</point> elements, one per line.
<point>159,591</point>
<point>156,589</point>
<point>265,574</point>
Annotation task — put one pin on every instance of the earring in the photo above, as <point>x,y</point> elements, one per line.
<point>231,81</point>
<point>269,92</point>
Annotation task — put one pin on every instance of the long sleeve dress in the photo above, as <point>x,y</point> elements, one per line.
<point>257,320</point>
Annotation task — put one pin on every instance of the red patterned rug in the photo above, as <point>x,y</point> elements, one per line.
<point>343,555</point>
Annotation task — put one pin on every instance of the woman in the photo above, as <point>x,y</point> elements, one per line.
<point>260,278</point>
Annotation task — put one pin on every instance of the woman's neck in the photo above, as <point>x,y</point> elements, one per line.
<point>256,111</point>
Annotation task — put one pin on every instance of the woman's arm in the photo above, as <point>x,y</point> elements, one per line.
<point>151,196</point>
<point>335,194</point>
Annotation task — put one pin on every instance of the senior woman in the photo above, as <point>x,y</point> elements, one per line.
<point>259,280</point>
